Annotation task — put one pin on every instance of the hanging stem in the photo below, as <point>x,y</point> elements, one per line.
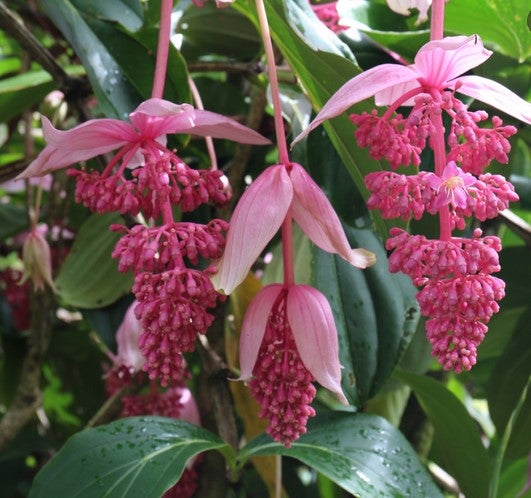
<point>208,140</point>
<point>273,81</point>
<point>287,250</point>
<point>163,47</point>
<point>437,20</point>
<point>283,155</point>
<point>439,152</point>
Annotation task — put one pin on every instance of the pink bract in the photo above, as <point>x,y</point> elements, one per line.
<point>260,213</point>
<point>152,120</point>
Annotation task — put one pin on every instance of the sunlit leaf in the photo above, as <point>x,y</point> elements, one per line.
<point>363,454</point>
<point>456,434</point>
<point>142,455</point>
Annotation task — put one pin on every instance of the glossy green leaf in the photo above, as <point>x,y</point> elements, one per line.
<point>223,32</point>
<point>456,434</point>
<point>120,65</point>
<point>321,74</point>
<point>363,454</point>
<point>140,456</point>
<point>115,94</point>
<point>126,12</point>
<point>89,277</point>
<point>375,311</point>
<point>501,24</point>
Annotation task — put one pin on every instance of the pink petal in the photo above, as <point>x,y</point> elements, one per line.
<point>361,87</point>
<point>440,61</point>
<point>254,326</point>
<point>127,341</point>
<point>210,124</point>
<point>189,411</point>
<point>83,142</point>
<point>312,323</point>
<point>102,135</point>
<point>51,159</point>
<point>496,95</point>
<point>257,217</point>
<point>315,215</point>
<point>450,170</point>
<point>156,117</point>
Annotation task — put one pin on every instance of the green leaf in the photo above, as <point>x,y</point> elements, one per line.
<point>508,380</point>
<point>89,277</point>
<point>126,12</point>
<point>115,94</point>
<point>223,32</point>
<point>508,433</point>
<point>363,454</point>
<point>501,24</point>
<point>376,314</point>
<point>321,74</point>
<point>13,219</point>
<point>140,456</point>
<point>19,93</point>
<point>456,434</point>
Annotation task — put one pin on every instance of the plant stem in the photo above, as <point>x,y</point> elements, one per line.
<point>439,152</point>
<point>437,20</point>
<point>287,250</point>
<point>208,140</point>
<point>163,47</point>
<point>273,81</point>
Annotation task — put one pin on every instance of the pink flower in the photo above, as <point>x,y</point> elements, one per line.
<point>452,187</point>
<point>438,66</point>
<point>262,209</point>
<point>288,340</point>
<point>150,123</point>
<point>127,337</point>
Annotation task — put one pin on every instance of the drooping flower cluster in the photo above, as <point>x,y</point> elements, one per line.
<point>288,337</point>
<point>458,293</point>
<point>146,177</point>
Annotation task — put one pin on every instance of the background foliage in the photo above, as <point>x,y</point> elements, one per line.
<point>411,429</point>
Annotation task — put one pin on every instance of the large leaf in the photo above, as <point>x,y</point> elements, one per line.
<point>501,24</point>
<point>223,32</point>
<point>375,311</point>
<point>116,96</point>
<point>363,454</point>
<point>321,74</point>
<point>126,12</point>
<point>140,456</point>
<point>456,434</point>
<point>89,277</point>
<point>120,65</point>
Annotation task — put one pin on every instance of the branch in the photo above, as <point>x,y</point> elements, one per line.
<point>70,86</point>
<point>28,395</point>
<point>517,225</point>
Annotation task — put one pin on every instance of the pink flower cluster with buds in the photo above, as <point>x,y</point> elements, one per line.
<point>458,293</point>
<point>174,297</point>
